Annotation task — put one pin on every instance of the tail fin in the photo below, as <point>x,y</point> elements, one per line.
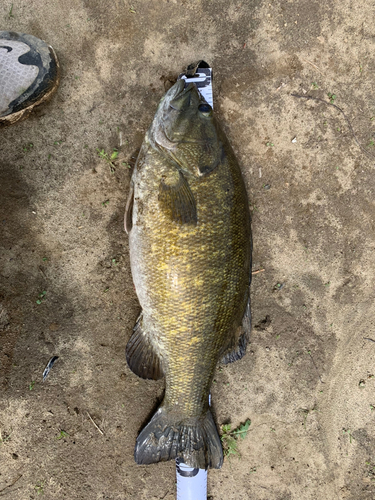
<point>195,441</point>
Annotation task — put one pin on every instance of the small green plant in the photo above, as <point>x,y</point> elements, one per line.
<point>62,435</point>
<point>307,411</point>
<point>41,297</point>
<point>372,407</point>
<point>28,147</point>
<point>270,144</point>
<point>132,10</point>
<point>349,433</point>
<point>11,12</point>
<point>109,158</point>
<point>229,437</point>
<point>105,203</point>
<point>332,97</point>
<point>315,86</point>
<point>371,144</point>
<point>32,385</point>
<point>40,487</point>
<point>371,470</point>
<point>4,437</point>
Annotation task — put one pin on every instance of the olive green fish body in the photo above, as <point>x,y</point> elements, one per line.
<point>190,258</point>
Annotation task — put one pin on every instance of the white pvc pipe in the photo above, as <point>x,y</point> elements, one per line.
<point>191,483</point>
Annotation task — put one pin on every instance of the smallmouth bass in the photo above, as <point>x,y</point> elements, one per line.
<point>188,221</point>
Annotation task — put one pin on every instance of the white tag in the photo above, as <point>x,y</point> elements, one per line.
<point>203,81</point>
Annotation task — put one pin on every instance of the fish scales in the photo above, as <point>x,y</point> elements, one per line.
<point>190,257</point>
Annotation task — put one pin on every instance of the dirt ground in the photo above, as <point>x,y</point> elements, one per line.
<point>308,380</point>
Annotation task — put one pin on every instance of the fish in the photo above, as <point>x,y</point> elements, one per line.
<point>188,221</point>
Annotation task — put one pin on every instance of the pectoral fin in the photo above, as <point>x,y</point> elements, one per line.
<point>177,200</point>
<point>141,356</point>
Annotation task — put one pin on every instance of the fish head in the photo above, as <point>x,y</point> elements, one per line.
<point>184,127</point>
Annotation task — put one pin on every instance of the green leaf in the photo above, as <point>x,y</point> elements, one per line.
<point>226,428</point>
<point>242,430</point>
<point>62,435</point>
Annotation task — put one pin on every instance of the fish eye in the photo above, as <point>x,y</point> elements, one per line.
<point>204,108</point>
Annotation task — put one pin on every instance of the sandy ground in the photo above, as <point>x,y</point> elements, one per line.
<point>307,382</point>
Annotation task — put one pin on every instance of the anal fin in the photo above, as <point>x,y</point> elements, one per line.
<point>141,356</point>
<point>237,348</point>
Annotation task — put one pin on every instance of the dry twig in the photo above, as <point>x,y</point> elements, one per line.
<point>101,432</point>
<point>312,64</point>
<point>11,484</point>
<point>259,271</point>
<point>309,97</point>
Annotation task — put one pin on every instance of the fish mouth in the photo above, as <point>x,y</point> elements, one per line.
<point>182,98</point>
<point>181,89</point>
<point>187,89</point>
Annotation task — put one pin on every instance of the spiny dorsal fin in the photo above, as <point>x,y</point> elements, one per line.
<point>141,356</point>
